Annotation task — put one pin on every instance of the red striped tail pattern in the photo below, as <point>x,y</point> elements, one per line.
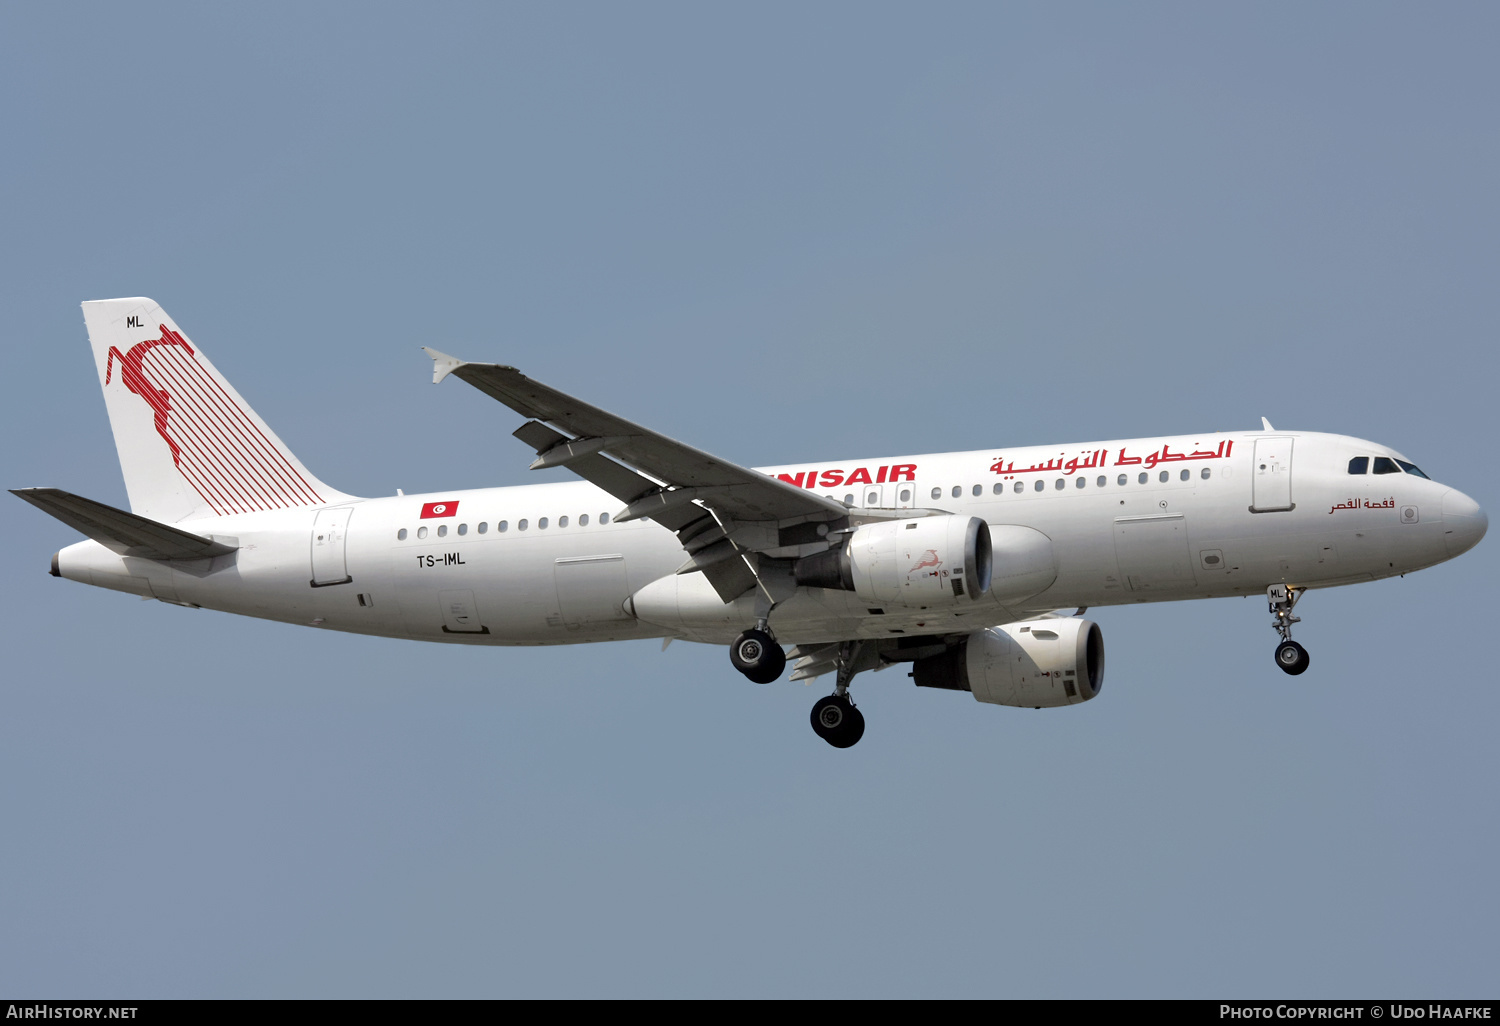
<point>221,451</point>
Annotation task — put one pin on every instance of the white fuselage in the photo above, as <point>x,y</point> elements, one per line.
<point>1216,515</point>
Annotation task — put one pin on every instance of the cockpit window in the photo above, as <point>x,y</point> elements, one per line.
<point>1411,468</point>
<point>1383,465</point>
<point>1359,465</point>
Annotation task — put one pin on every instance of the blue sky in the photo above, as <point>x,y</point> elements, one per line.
<point>782,233</point>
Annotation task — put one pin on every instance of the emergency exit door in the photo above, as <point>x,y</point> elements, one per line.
<point>1271,476</point>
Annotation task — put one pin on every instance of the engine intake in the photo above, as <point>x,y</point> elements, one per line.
<point>918,563</point>
<point>1038,664</point>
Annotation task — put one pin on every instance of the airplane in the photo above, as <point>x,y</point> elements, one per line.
<point>960,565</point>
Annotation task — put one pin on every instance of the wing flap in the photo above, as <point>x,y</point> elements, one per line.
<point>125,533</point>
<point>621,482</point>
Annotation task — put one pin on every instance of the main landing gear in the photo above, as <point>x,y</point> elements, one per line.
<point>835,720</point>
<point>756,654</point>
<point>1290,656</point>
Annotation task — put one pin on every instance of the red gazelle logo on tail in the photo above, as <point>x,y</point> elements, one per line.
<point>215,445</point>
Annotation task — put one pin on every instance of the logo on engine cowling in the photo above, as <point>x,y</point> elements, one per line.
<point>929,558</point>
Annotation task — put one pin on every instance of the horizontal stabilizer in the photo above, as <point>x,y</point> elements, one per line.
<point>121,532</point>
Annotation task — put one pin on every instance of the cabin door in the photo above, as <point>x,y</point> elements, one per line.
<point>329,532</point>
<point>1271,476</point>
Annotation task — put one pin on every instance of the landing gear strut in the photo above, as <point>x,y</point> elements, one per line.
<point>756,654</point>
<point>835,719</point>
<point>1290,656</point>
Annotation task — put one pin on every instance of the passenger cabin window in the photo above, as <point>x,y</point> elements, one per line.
<point>442,530</point>
<point>1205,473</point>
<point>958,490</point>
<point>1121,479</point>
<point>463,529</point>
<point>849,499</point>
<point>1019,488</point>
<point>541,524</point>
<point>1385,465</point>
<point>520,525</point>
<point>503,526</point>
<point>603,518</point>
<point>483,526</point>
<point>978,490</point>
<point>937,493</point>
<point>1359,465</point>
<point>1411,468</point>
<point>401,534</point>
<point>562,521</point>
<point>1164,476</point>
<point>1144,477</point>
<point>1102,481</point>
<point>1000,488</point>
<point>1083,482</point>
<point>583,521</point>
<point>1040,485</point>
<point>1185,474</point>
<point>422,532</point>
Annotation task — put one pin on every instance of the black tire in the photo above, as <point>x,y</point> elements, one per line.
<point>837,721</point>
<point>756,655</point>
<point>854,730</point>
<point>1292,657</point>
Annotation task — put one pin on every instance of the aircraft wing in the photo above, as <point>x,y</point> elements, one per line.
<point>673,483</point>
<point>125,533</point>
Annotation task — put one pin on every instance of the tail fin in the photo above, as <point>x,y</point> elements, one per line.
<point>189,446</point>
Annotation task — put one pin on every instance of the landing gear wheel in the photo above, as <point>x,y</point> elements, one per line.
<point>1291,657</point>
<point>836,721</point>
<point>756,655</point>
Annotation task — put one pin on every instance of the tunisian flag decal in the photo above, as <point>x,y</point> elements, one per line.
<point>440,509</point>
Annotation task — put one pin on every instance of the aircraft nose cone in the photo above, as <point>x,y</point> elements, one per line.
<point>1464,523</point>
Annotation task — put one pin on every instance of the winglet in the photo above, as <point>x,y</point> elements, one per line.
<point>1267,424</point>
<point>442,364</point>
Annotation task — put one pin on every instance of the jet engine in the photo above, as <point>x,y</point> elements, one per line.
<point>918,563</point>
<point>1037,664</point>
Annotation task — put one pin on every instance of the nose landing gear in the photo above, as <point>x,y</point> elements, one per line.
<point>1290,656</point>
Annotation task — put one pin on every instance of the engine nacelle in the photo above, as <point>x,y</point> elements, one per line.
<point>1038,664</point>
<point>919,563</point>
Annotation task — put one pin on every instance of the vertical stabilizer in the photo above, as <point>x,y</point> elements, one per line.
<point>189,445</point>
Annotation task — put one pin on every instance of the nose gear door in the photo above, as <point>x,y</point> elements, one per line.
<point>1271,476</point>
